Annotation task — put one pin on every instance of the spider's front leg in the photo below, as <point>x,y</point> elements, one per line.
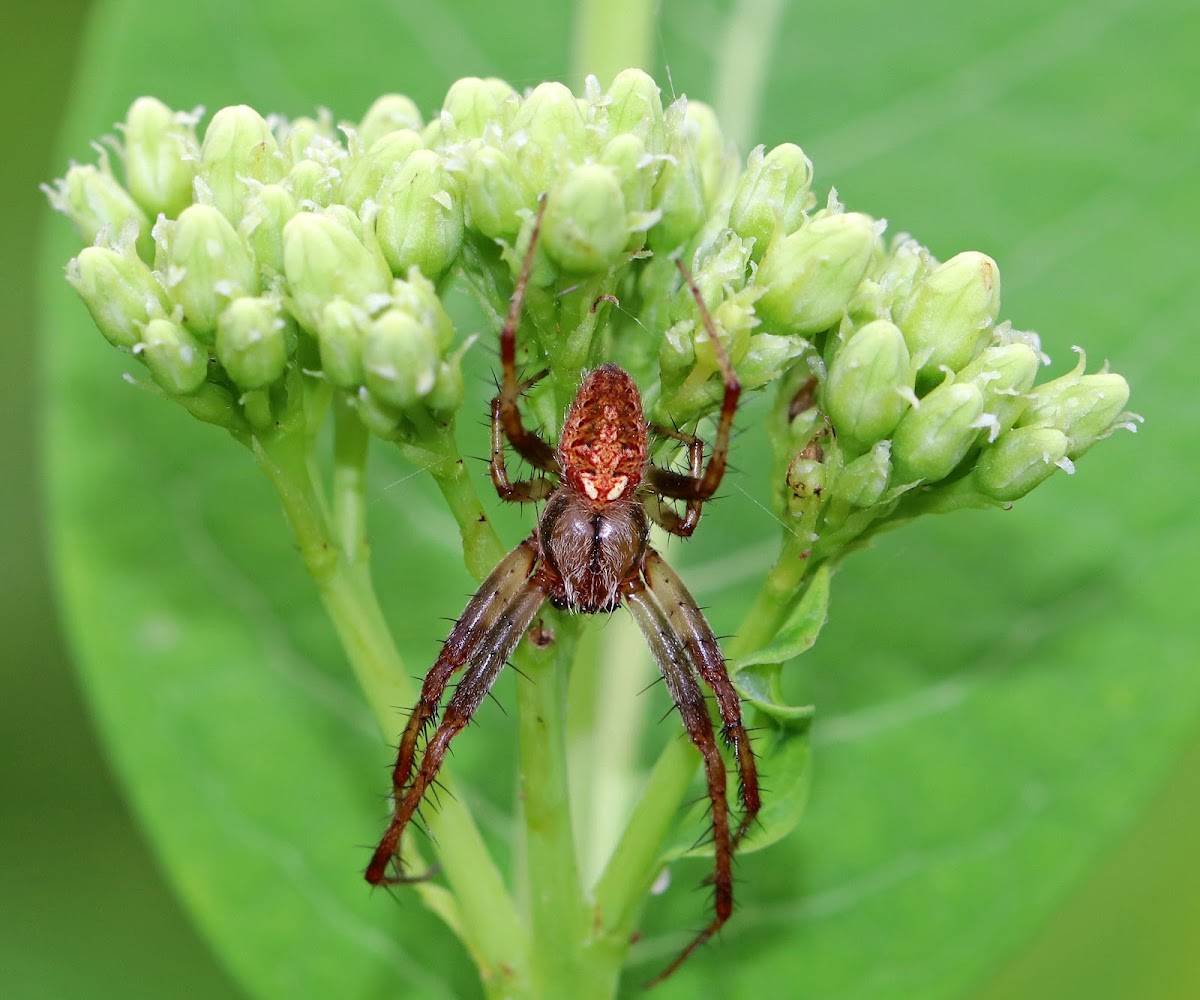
<point>485,636</point>
<point>683,645</point>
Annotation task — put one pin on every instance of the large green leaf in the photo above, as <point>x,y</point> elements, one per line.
<point>997,693</point>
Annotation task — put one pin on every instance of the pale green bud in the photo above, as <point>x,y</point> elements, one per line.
<point>679,191</point>
<point>766,358</point>
<point>811,275</point>
<point>584,229</point>
<point>472,104</point>
<point>870,385</point>
<point>177,361</point>
<point>906,263</point>
<point>119,291</point>
<point>417,296</point>
<point>1020,460</point>
<point>635,171</point>
<point>1005,373</point>
<point>555,135</point>
<point>448,392</point>
<point>160,157</point>
<point>720,270</point>
<point>950,313</point>
<point>420,218</point>
<point>863,481</point>
<point>340,335</point>
<point>713,155</point>
<point>323,259</point>
<point>308,138</point>
<point>400,358</point>
<point>95,202</point>
<point>389,113</point>
<point>806,481</point>
<point>238,146</point>
<point>208,266</point>
<point>677,351</point>
<point>267,211</point>
<point>932,438</point>
<point>367,173</point>
<point>635,107</point>
<point>252,342</point>
<point>771,196</point>
<point>1085,408</point>
<point>494,195</point>
<point>313,184</point>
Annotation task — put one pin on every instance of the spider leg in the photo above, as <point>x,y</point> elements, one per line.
<point>486,633</point>
<point>671,654</point>
<point>528,444</point>
<point>519,491</point>
<point>702,487</point>
<point>688,623</point>
<point>662,513</point>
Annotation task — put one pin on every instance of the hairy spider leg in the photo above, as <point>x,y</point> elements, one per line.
<point>528,443</point>
<point>688,622</point>
<point>669,652</point>
<point>530,490</point>
<point>658,509</point>
<point>486,633</point>
<point>672,484</point>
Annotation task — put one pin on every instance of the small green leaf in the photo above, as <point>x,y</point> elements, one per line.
<point>801,628</point>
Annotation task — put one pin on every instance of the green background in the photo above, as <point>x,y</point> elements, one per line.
<point>1061,139</point>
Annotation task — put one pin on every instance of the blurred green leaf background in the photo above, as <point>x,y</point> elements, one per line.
<point>1008,703</point>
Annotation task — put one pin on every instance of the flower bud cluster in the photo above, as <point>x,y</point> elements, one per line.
<point>262,253</point>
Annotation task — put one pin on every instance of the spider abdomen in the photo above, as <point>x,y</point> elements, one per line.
<point>603,446</point>
<point>593,552</point>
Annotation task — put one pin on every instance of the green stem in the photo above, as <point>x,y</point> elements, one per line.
<point>350,445</point>
<point>744,57</point>
<point>480,910</point>
<point>559,917</point>
<point>612,35</point>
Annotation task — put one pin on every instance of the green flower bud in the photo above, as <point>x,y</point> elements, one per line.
<point>389,113</point>
<point>177,361</point>
<point>160,157</point>
<point>1020,460</point>
<point>420,218</point>
<point>635,171</point>
<point>679,191</point>
<point>713,156</point>
<point>635,107</point>
<point>267,211</point>
<point>811,275</point>
<point>677,352</point>
<point>252,340</point>
<point>494,195</point>
<point>313,184</point>
<point>767,357</point>
<point>863,482</point>
<point>93,200</point>
<point>806,481</point>
<point>555,136</point>
<point>238,146</point>
<point>308,139</point>
<point>906,263</point>
<point>119,290</point>
<point>472,104</point>
<point>584,229</point>
<point>1085,408</point>
<point>870,386</point>
<point>323,259</point>
<point>448,392</point>
<point>340,335</point>
<point>720,269</point>
<point>207,267</point>
<point>400,358</point>
<point>932,438</point>
<point>417,296</point>
<point>950,313</point>
<point>771,196</point>
<point>1005,373</point>
<point>367,173</point>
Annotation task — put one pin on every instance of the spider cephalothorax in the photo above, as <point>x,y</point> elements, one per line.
<point>590,553</point>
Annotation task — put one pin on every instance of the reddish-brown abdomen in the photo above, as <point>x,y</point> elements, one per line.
<point>603,446</point>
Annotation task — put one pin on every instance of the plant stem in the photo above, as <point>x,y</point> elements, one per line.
<point>612,35</point>
<point>350,444</point>
<point>481,910</point>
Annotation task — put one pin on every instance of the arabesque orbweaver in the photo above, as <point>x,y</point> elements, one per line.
<point>590,553</point>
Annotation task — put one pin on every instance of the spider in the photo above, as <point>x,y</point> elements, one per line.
<point>590,553</point>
